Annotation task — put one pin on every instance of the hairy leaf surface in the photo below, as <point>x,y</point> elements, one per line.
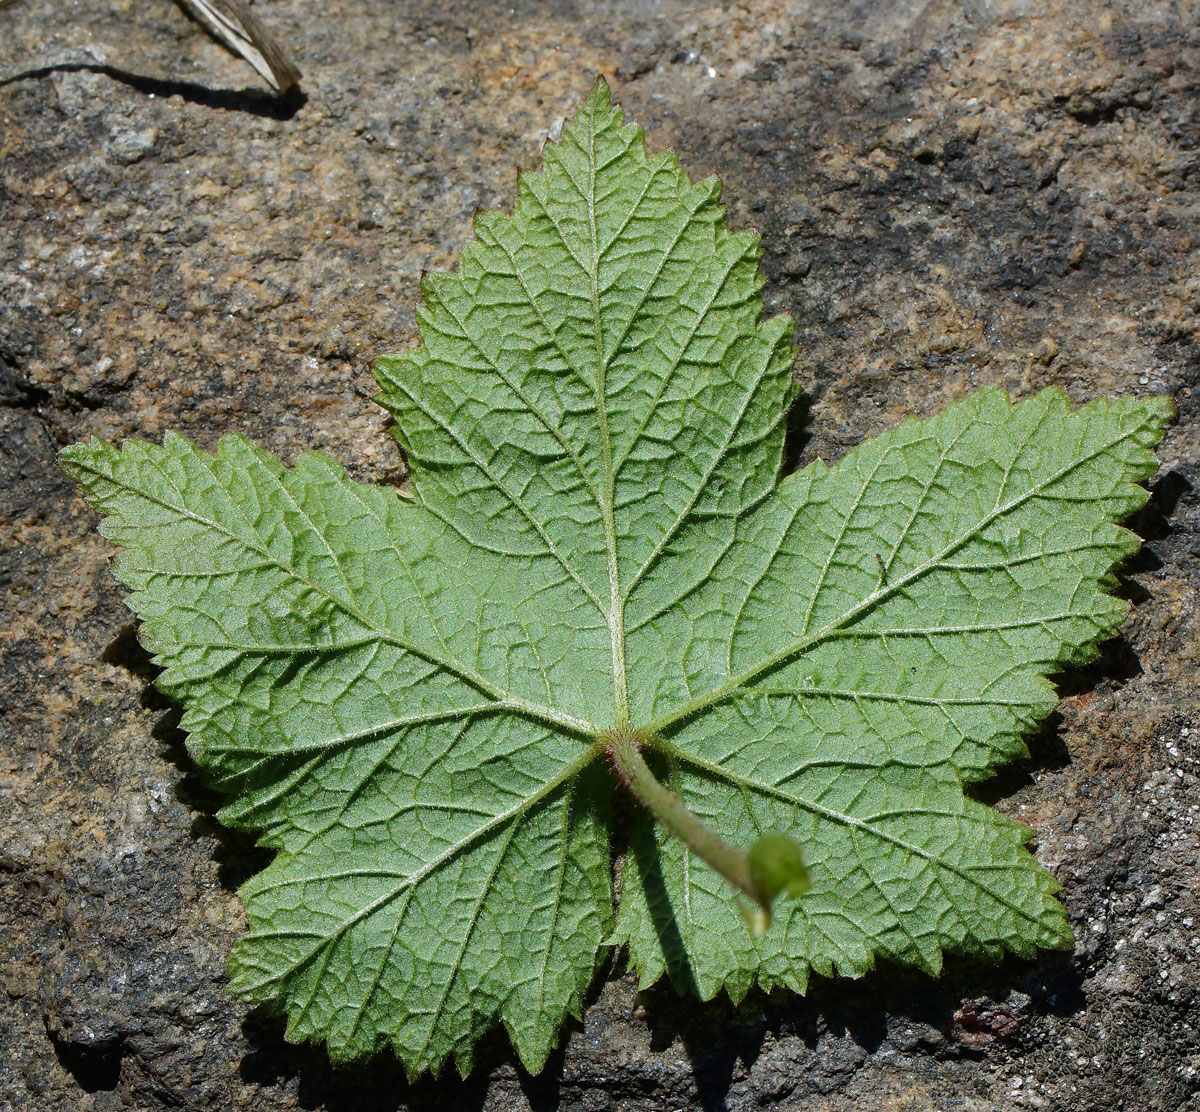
<point>410,699</point>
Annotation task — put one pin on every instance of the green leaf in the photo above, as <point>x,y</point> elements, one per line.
<point>415,702</point>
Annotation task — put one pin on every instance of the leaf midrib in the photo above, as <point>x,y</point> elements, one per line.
<point>615,616</point>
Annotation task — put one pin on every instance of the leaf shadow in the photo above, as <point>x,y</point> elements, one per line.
<point>1047,752</point>
<point>797,432</point>
<point>716,1035</point>
<point>379,1083</point>
<point>1153,521</point>
<point>543,1090</point>
<point>1115,664</point>
<point>662,916</point>
<point>376,1084</point>
<point>830,1033</point>
<point>236,853</point>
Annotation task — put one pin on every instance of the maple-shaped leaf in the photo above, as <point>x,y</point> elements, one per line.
<point>418,702</point>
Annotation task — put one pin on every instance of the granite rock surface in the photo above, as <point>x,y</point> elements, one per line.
<point>950,193</point>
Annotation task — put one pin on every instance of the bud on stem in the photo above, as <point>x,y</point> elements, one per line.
<point>773,867</point>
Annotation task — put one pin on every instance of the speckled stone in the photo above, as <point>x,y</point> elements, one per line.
<point>950,193</point>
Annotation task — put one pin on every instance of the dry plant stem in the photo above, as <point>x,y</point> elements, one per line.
<point>232,23</point>
<point>733,864</point>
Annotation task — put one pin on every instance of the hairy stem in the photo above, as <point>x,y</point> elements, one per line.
<point>732,863</point>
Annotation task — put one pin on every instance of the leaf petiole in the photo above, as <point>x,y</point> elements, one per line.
<point>774,865</point>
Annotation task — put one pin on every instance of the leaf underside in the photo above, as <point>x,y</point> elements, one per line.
<point>408,699</point>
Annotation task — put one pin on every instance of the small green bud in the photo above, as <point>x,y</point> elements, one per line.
<point>777,867</point>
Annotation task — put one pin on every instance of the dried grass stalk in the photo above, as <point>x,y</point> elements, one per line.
<point>232,22</point>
